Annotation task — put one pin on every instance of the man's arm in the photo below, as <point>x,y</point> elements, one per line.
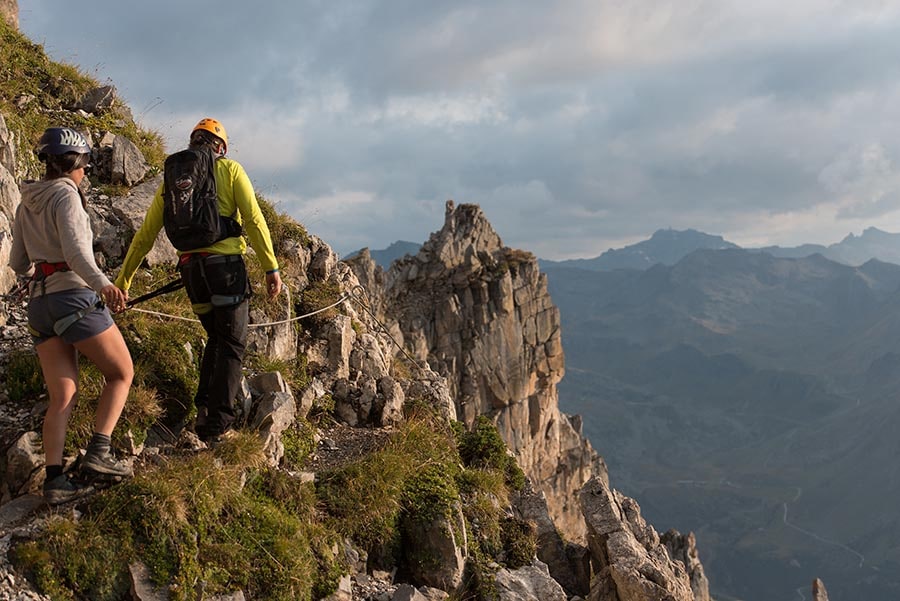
<point>142,242</point>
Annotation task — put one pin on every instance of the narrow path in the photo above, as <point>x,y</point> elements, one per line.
<point>813,535</point>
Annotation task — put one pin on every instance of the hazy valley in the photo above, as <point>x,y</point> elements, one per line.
<point>748,395</point>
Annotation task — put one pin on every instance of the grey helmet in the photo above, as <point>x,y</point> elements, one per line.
<point>61,140</point>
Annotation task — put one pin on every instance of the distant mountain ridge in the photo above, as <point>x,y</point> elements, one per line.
<point>386,256</point>
<point>668,247</point>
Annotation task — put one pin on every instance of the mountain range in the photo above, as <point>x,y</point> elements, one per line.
<point>748,395</point>
<point>669,246</point>
<point>751,399</point>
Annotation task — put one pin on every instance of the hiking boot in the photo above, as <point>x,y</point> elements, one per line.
<point>62,490</point>
<point>103,462</point>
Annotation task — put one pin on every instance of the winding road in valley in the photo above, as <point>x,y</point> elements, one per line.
<point>813,535</point>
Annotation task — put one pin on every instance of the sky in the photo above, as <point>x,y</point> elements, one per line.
<point>576,125</point>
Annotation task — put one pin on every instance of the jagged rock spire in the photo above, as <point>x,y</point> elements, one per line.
<point>480,315</point>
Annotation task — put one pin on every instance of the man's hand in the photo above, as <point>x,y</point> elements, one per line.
<point>273,284</point>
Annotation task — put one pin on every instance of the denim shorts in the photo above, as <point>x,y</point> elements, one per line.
<point>45,310</point>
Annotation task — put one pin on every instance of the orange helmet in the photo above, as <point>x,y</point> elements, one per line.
<point>213,127</point>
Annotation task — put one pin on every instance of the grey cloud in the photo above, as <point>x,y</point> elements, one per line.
<point>727,128</point>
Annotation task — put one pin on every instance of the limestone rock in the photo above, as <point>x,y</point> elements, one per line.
<point>818,591</point>
<point>9,10</point>
<point>528,583</point>
<point>274,412</point>
<point>340,337</point>
<point>7,147</point>
<point>683,547</point>
<point>98,100</point>
<point>9,202</point>
<point>142,587</point>
<point>275,341</point>
<point>132,208</point>
<point>632,564</point>
<point>24,460</point>
<point>437,550</point>
<point>126,163</point>
<point>531,506</point>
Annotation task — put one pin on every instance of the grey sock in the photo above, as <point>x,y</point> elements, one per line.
<point>99,443</point>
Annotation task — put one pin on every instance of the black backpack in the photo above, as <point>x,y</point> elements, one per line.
<point>190,205</point>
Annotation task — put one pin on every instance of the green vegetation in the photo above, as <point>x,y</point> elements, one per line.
<point>222,520</point>
<point>192,523</point>
<point>483,447</point>
<point>299,443</point>
<point>23,375</point>
<point>319,295</point>
<point>34,90</point>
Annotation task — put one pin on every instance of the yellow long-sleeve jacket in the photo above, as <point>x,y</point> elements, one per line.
<point>236,199</point>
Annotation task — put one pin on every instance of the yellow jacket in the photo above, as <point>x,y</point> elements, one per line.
<point>236,199</point>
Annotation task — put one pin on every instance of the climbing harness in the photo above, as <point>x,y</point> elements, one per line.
<point>43,270</point>
<point>64,323</point>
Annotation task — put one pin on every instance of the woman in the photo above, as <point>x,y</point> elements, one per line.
<point>52,244</point>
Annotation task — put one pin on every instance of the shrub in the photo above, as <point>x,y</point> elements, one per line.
<point>484,447</point>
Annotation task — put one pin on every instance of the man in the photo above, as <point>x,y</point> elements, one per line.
<point>215,278</point>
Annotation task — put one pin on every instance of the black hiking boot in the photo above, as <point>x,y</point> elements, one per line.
<point>62,490</point>
<point>103,463</point>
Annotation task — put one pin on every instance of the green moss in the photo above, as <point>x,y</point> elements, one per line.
<point>61,568</point>
<point>365,498</point>
<point>484,447</point>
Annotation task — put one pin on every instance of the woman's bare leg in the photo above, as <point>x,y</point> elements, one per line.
<point>109,353</point>
<point>59,364</point>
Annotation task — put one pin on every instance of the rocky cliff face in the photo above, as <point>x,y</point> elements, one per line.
<point>479,314</point>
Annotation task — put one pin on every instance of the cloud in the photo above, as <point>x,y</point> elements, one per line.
<point>577,125</point>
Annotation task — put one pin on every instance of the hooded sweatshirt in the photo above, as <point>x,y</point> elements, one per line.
<point>52,226</point>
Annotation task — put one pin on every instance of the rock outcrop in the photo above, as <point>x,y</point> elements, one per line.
<point>818,591</point>
<point>631,562</point>
<point>479,314</point>
<point>9,10</point>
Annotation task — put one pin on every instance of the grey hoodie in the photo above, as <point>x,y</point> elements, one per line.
<point>52,226</point>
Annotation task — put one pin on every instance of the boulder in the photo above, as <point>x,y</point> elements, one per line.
<point>436,551</point>
<point>528,583</point>
<point>632,564</point>
<point>132,209</point>
<point>24,460</point>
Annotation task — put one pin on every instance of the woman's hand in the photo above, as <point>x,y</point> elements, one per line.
<point>114,298</point>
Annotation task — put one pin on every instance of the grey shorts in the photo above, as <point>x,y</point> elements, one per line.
<point>44,311</point>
